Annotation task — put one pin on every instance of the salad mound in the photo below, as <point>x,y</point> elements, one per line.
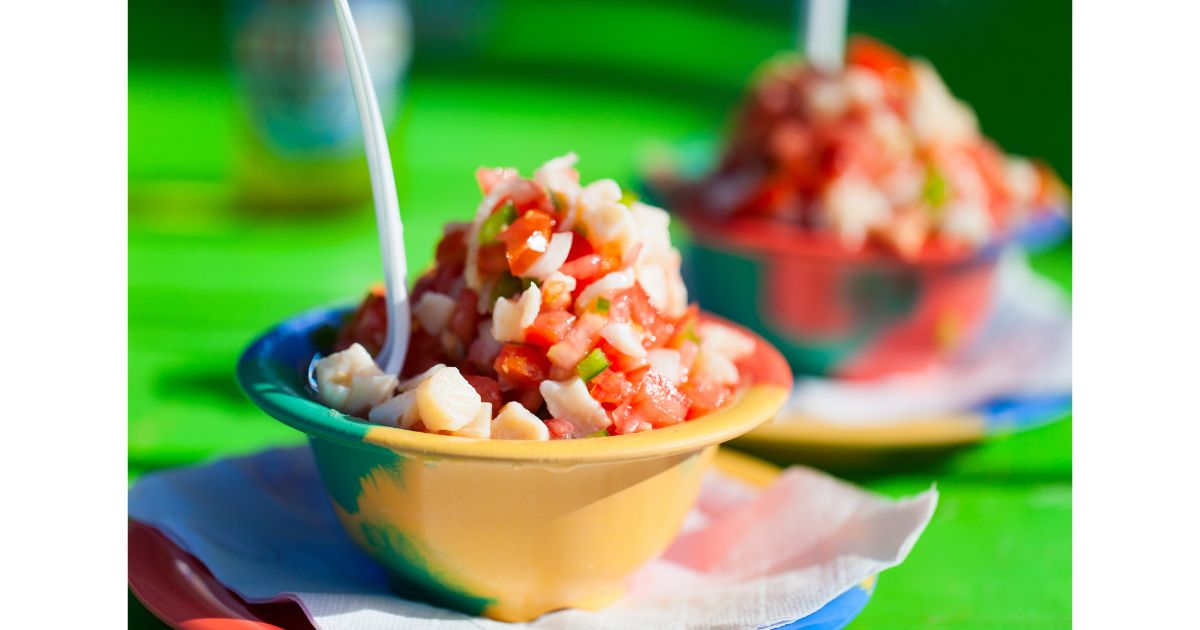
<point>880,155</point>
<point>557,312</point>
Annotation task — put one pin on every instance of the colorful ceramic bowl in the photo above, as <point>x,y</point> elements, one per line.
<point>836,312</point>
<point>506,529</point>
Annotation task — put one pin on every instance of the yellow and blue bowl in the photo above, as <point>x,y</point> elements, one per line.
<point>506,529</point>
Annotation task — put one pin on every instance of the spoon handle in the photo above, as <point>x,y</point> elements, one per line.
<point>383,187</point>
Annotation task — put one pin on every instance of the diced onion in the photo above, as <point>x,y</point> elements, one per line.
<point>554,257</point>
<point>609,284</point>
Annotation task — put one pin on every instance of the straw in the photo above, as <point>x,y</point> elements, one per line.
<point>383,187</point>
<point>825,34</point>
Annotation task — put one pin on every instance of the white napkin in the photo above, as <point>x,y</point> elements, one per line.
<point>746,557</point>
<point>1023,351</point>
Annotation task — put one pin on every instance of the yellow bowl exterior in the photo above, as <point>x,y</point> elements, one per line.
<point>513,541</point>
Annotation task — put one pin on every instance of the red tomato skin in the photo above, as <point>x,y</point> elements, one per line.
<point>520,365</point>
<point>530,398</point>
<point>368,325</point>
<point>464,321</point>
<point>659,402</point>
<point>527,239</point>
<point>452,249</point>
<point>424,351</point>
<point>705,397</point>
<point>559,429</point>
<point>610,388</point>
<point>549,328</point>
<point>577,342</point>
<point>488,389</point>
<point>492,260</point>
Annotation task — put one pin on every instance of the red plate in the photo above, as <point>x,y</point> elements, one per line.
<point>179,590</point>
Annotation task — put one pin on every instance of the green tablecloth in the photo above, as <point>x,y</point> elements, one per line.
<point>205,278</point>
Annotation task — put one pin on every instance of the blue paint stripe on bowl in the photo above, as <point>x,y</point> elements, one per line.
<point>1009,415</point>
<point>836,614</point>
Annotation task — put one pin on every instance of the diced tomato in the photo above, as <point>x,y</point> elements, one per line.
<point>492,260</point>
<point>874,55</point>
<point>549,328</point>
<point>577,342</point>
<point>529,398</point>
<point>559,429</point>
<point>626,420</point>
<point>368,325</point>
<point>519,365</point>
<point>527,194</point>
<point>488,389</point>
<point>657,329</point>
<point>579,247</point>
<point>489,177</point>
<point>610,388</point>
<point>481,354</point>
<point>590,267</point>
<point>464,321</point>
<point>585,268</point>
<point>706,397</point>
<point>527,239</point>
<point>659,402</point>
<point>452,249</point>
<point>424,351</point>
<point>884,60</point>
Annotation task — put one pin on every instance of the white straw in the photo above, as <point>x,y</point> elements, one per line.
<point>825,34</point>
<point>383,187</point>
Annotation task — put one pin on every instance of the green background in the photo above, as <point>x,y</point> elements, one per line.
<point>514,83</point>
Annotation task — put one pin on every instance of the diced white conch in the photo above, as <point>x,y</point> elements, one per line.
<point>446,401</point>
<point>433,311</point>
<point>725,340</point>
<point>397,411</point>
<point>714,367</point>
<point>570,401</point>
<point>368,390</point>
<point>667,362</point>
<point>510,319</point>
<point>335,372</point>
<point>515,422</point>
<point>624,338</point>
<point>481,426</point>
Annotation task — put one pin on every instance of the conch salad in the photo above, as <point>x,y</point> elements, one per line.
<point>558,312</point>
<point>881,154</point>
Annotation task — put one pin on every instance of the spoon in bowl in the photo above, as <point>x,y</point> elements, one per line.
<point>383,188</point>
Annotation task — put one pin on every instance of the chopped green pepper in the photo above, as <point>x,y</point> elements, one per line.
<point>597,433</point>
<point>554,199</point>
<point>496,222</point>
<point>602,304</point>
<point>937,190</point>
<point>628,197</point>
<point>592,365</point>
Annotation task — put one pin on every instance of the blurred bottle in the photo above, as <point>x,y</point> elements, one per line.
<point>301,145</point>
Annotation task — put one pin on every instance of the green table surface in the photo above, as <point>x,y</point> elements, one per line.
<point>204,278</point>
